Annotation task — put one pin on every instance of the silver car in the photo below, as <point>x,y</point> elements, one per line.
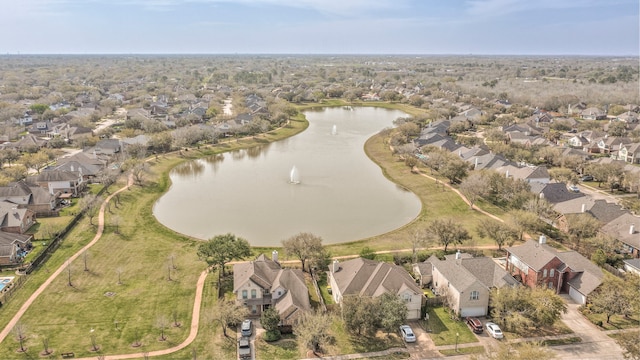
<point>407,334</point>
<point>494,330</point>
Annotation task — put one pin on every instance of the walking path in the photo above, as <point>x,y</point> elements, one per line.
<point>7,329</point>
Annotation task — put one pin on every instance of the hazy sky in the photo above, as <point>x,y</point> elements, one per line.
<point>582,27</point>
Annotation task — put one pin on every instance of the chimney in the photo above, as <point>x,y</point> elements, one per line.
<point>541,195</point>
<point>543,239</point>
<point>274,256</point>
<point>632,229</point>
<point>584,207</point>
<point>336,266</point>
<point>476,164</point>
<point>506,174</point>
<point>458,255</point>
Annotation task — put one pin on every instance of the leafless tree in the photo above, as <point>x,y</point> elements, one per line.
<point>119,271</point>
<point>162,324</point>
<point>20,332</point>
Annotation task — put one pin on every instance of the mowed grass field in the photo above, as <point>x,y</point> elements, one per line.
<point>159,269</point>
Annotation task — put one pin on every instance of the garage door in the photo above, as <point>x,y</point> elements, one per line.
<point>473,311</point>
<point>576,296</point>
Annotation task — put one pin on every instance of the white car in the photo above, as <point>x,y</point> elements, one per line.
<point>494,330</point>
<point>407,334</point>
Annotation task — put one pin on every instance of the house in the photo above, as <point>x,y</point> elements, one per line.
<point>632,266</point>
<point>28,142</point>
<point>364,277</point>
<point>535,264</point>
<point>593,113</point>
<point>13,247</point>
<point>629,153</point>
<point>66,182</point>
<point>14,219</point>
<point>263,283</point>
<point>468,281</point>
<point>611,144</point>
<point>624,228</point>
<point>107,147</point>
<point>628,117</point>
<point>83,164</point>
<point>29,196</point>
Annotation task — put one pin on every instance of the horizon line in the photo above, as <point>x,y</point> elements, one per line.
<point>313,54</point>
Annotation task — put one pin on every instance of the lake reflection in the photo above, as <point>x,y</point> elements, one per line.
<point>342,195</point>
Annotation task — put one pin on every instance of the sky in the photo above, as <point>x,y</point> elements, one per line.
<point>480,27</point>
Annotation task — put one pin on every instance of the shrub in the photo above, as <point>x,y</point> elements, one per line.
<point>270,336</point>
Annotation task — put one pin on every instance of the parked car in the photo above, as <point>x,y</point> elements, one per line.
<point>246,329</point>
<point>244,348</point>
<point>407,334</point>
<point>574,188</point>
<point>494,330</point>
<point>586,178</point>
<point>475,325</point>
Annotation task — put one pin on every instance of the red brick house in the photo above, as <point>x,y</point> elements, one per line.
<point>535,263</point>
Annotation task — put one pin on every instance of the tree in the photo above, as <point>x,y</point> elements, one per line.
<point>90,204</point>
<point>20,332</point>
<point>448,232</point>
<point>162,323</point>
<point>609,299</point>
<point>360,314</point>
<point>500,232</point>
<point>454,169</point>
<point>312,331</point>
<point>475,187</point>
<point>523,221</point>
<point>419,239</point>
<point>581,226</point>
<point>221,249</point>
<point>393,311</point>
<point>270,321</point>
<point>35,161</point>
<point>630,345</point>
<point>304,246</point>
<point>518,308</point>
<point>138,169</point>
<point>161,142</point>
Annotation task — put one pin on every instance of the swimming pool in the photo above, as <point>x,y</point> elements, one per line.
<point>4,281</point>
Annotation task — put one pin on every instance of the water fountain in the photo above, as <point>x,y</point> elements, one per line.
<point>294,176</point>
<point>334,130</point>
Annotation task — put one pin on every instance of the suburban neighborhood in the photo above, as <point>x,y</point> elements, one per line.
<point>528,240</point>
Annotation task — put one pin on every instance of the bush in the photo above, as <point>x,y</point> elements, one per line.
<point>270,336</point>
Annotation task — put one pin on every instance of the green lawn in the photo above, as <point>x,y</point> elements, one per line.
<point>615,322</point>
<point>283,349</point>
<point>463,351</point>
<point>444,329</point>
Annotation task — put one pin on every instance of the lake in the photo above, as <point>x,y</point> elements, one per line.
<point>341,195</point>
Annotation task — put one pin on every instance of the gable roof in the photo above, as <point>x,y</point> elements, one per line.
<point>464,272</point>
<point>268,274</point>
<point>620,228</point>
<point>372,278</point>
<point>537,255</point>
<point>557,193</point>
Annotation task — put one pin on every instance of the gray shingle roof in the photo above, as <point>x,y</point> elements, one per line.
<point>372,278</point>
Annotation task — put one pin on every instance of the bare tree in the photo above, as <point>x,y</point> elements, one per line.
<point>119,270</point>
<point>19,330</point>
<point>45,343</point>
<point>69,273</point>
<point>85,255</point>
<point>162,324</point>
<point>116,220</point>
<point>90,204</point>
<point>419,239</point>
<point>229,313</point>
<point>174,315</point>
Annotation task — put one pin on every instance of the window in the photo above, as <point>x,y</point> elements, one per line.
<point>475,295</point>
<point>552,272</point>
<point>254,309</point>
<point>407,297</point>
<point>550,285</point>
<point>544,273</point>
<point>253,293</point>
<point>244,294</point>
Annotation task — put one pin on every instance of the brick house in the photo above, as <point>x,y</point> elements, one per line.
<point>537,264</point>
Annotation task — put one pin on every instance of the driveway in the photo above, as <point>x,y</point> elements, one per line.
<point>595,344</point>
<point>423,348</point>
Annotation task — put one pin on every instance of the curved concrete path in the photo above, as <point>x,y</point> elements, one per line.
<point>195,322</point>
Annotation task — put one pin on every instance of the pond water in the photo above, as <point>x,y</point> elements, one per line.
<point>319,181</point>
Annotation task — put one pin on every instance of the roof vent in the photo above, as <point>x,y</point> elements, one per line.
<point>632,229</point>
